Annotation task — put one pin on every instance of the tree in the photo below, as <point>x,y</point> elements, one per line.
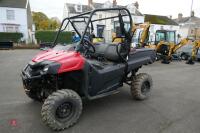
<point>53,24</point>
<point>42,22</point>
<point>38,19</point>
<point>44,25</point>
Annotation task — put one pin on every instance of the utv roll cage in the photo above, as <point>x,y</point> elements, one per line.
<point>122,12</point>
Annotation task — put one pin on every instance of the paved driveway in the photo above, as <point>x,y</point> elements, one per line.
<point>174,106</point>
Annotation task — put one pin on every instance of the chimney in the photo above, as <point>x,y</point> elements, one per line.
<point>180,16</point>
<point>114,3</point>
<point>136,5</point>
<point>90,2</point>
<point>192,14</point>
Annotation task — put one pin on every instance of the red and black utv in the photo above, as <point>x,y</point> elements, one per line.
<point>63,76</point>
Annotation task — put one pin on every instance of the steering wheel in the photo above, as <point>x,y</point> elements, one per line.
<point>88,46</point>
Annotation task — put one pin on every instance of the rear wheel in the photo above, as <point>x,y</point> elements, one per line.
<point>141,86</point>
<point>62,109</point>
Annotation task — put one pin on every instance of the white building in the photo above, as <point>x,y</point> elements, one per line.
<point>189,26</point>
<point>15,16</point>
<point>108,25</point>
<point>160,23</point>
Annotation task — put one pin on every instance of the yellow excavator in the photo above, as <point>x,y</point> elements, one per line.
<point>165,43</point>
<point>195,49</point>
<point>167,49</point>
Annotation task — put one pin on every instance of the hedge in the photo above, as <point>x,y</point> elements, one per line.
<point>26,46</point>
<point>49,36</point>
<point>14,37</point>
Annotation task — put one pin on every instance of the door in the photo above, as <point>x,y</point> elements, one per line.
<point>100,30</point>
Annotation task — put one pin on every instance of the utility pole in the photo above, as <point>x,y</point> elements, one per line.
<point>191,8</point>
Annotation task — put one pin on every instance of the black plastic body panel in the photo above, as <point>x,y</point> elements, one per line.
<point>141,57</point>
<point>104,77</point>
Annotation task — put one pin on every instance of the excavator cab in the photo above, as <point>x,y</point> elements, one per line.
<point>166,36</point>
<point>165,40</point>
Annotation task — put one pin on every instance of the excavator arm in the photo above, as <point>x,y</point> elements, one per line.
<point>195,49</point>
<point>183,42</point>
<point>145,32</point>
<point>173,47</point>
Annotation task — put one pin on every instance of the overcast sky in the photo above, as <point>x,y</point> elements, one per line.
<point>54,8</point>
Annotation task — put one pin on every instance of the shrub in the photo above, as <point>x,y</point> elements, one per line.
<point>49,36</point>
<point>7,36</point>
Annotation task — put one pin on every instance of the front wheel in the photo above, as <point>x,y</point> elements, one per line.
<point>62,109</point>
<point>141,86</point>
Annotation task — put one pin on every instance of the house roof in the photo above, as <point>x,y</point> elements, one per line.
<point>13,3</point>
<point>71,8</point>
<point>156,19</point>
<point>187,20</point>
<point>97,5</point>
<point>85,8</point>
<point>101,5</point>
<point>138,13</point>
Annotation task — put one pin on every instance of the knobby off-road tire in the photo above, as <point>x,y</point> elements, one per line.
<point>62,109</point>
<point>141,86</point>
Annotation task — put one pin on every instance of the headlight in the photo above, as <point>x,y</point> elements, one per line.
<point>46,69</point>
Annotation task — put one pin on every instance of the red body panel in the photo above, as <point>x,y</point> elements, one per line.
<point>69,61</point>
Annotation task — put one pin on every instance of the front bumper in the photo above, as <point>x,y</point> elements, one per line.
<point>30,82</point>
<point>34,77</point>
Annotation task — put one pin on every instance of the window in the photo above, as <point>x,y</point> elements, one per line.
<point>100,16</point>
<point>16,29</point>
<point>10,28</point>
<point>10,14</point>
<point>112,21</point>
<point>78,8</point>
<point>171,36</point>
<point>160,36</point>
<point>168,36</point>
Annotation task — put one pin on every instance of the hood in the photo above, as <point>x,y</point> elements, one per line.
<point>53,55</point>
<point>68,60</point>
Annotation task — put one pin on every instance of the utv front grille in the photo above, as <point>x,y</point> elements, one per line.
<point>33,71</point>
